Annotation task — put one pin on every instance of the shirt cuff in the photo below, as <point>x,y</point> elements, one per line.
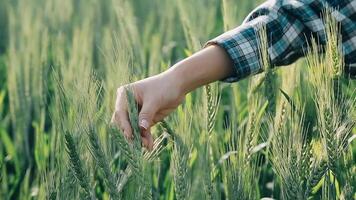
<point>241,44</point>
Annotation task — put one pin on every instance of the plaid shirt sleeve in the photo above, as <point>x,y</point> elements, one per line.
<point>289,25</point>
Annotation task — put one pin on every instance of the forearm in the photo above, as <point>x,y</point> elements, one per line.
<point>206,66</point>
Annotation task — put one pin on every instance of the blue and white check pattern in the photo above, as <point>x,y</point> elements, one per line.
<point>290,24</point>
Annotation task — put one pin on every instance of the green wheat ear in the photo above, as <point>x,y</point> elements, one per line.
<point>179,164</point>
<point>134,153</point>
<point>130,155</point>
<point>102,162</point>
<point>180,169</point>
<point>134,168</point>
<point>347,192</point>
<point>77,166</point>
<point>133,115</point>
<point>269,76</point>
<point>213,100</point>
<point>125,147</point>
<point>317,171</point>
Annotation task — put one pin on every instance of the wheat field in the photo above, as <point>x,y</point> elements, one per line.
<point>287,133</point>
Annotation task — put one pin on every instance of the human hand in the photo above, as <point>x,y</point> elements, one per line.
<point>159,95</point>
<point>156,97</point>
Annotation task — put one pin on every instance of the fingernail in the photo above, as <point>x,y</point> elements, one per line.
<point>144,124</point>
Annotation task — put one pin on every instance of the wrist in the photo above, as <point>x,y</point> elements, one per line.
<point>208,65</point>
<point>177,79</point>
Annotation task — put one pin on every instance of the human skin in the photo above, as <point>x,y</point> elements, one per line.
<point>157,96</point>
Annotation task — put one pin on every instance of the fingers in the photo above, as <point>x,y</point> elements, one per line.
<point>121,119</point>
<point>147,139</point>
<point>120,116</point>
<point>146,117</point>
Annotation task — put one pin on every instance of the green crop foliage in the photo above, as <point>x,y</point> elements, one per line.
<point>283,134</point>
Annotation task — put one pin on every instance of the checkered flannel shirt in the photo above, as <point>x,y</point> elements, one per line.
<point>290,25</point>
